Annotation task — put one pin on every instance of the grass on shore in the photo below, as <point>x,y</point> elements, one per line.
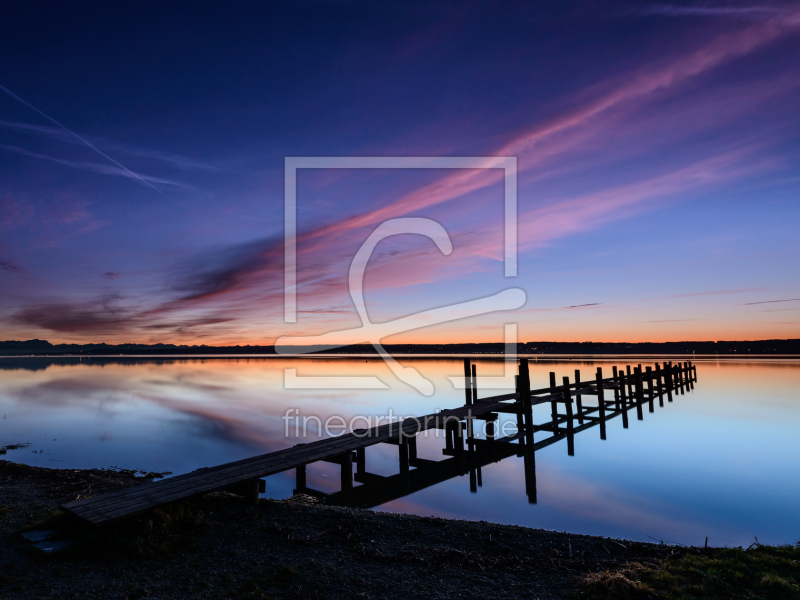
<point>758,573</point>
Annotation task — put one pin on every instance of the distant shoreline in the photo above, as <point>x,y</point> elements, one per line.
<point>703,349</point>
<point>492,356</point>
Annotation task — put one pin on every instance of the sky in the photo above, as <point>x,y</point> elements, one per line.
<point>143,144</point>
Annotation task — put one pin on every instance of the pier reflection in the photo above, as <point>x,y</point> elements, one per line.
<point>631,388</point>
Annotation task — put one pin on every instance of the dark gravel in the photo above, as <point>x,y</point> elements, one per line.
<point>219,547</point>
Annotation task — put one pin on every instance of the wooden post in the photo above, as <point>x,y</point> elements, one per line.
<point>623,399</point>
<point>525,377</point>
<point>300,475</point>
<point>689,375</point>
<point>412,449</point>
<point>347,471</point>
<point>474,385</point>
<point>449,435</point>
<point>650,388</point>
<point>403,446</point>
<point>470,421</point>
<point>601,401</point>
<point>659,388</point>
<point>570,426</point>
<point>639,394</point>
<point>490,433</point>
<point>251,490</point>
<point>669,380</point>
<point>520,411</point>
<point>473,481</point>
<point>361,463</point>
<point>679,373</point>
<point>467,381</point>
<point>616,388</point>
<point>578,403</point>
<point>553,404</point>
<point>530,474</point>
<point>630,382</point>
<point>458,439</point>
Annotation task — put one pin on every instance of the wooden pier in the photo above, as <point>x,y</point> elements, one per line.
<point>585,404</point>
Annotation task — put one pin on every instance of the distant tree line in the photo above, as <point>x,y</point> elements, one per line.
<point>45,348</point>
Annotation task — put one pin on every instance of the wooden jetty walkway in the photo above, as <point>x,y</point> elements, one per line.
<point>612,397</point>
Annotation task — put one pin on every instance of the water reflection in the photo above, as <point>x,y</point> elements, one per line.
<point>469,454</point>
<point>717,461</point>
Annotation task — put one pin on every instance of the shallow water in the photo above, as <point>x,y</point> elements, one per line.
<point>720,461</point>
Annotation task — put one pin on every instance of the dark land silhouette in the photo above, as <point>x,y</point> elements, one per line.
<point>38,347</point>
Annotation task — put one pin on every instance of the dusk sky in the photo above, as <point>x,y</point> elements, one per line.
<point>142,151</point>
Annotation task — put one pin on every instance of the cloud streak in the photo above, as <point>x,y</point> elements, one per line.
<point>6,264</point>
<point>758,11</point>
<point>104,315</point>
<point>707,293</point>
<point>93,167</point>
<point>182,162</point>
<point>81,139</point>
<point>251,274</point>
<point>638,86</point>
<point>772,301</point>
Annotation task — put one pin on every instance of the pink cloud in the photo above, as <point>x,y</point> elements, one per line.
<point>636,87</point>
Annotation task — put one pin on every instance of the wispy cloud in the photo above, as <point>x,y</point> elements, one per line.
<point>756,11</point>
<point>229,270</point>
<point>6,264</point>
<point>588,306</point>
<point>567,216</point>
<point>251,274</point>
<point>669,321</point>
<point>707,293</point>
<point>104,315</point>
<point>771,301</point>
<point>176,160</point>
<point>531,146</point>
<point>113,314</point>
<point>81,139</point>
<point>93,167</point>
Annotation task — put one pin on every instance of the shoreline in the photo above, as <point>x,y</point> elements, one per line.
<point>218,546</point>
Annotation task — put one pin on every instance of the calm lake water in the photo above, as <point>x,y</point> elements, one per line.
<point>720,461</point>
